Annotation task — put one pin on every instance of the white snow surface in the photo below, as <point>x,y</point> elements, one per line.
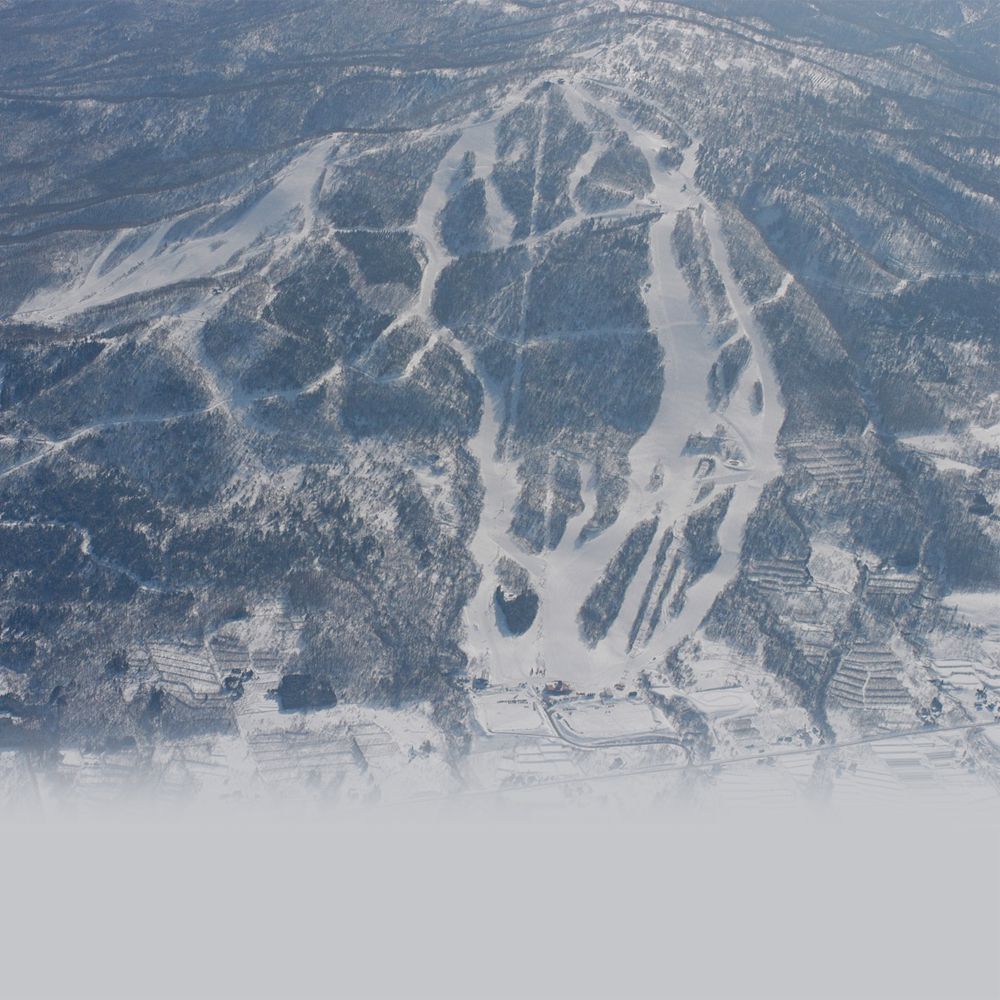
<point>563,577</point>
<point>283,215</point>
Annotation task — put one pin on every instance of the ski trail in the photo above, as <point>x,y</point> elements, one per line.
<point>501,488</point>
<point>514,392</point>
<point>479,138</point>
<point>284,215</point>
<point>563,577</point>
<point>662,483</point>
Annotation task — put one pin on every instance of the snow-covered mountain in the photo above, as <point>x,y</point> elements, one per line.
<point>401,399</point>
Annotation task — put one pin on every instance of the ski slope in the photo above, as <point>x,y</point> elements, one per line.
<point>553,647</point>
<point>282,216</point>
<point>662,481</point>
